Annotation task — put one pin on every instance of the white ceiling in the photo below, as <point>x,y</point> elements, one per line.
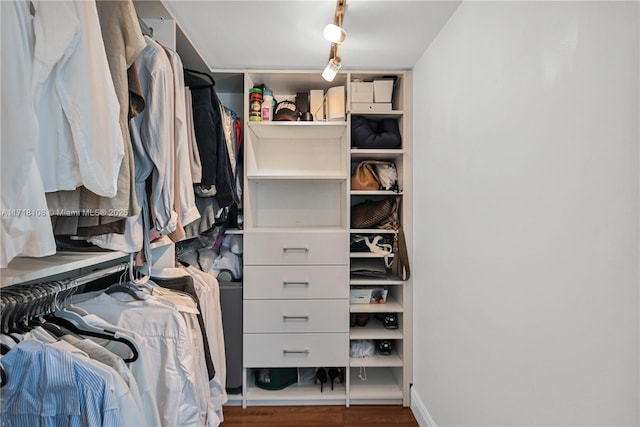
<point>235,35</point>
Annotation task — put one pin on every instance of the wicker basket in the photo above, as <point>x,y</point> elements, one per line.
<point>371,214</point>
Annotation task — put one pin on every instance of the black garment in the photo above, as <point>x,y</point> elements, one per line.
<point>210,137</point>
<point>185,284</point>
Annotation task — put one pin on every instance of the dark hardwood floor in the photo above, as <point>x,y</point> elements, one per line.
<point>318,416</point>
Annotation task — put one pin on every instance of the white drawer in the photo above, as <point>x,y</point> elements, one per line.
<point>296,248</point>
<point>296,282</point>
<point>283,350</point>
<point>287,316</point>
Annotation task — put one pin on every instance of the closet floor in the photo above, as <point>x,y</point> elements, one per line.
<point>318,416</point>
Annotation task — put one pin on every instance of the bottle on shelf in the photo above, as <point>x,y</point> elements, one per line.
<point>267,105</point>
<point>255,104</point>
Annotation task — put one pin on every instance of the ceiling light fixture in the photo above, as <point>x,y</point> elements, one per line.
<point>336,35</point>
<point>334,64</point>
<point>334,32</point>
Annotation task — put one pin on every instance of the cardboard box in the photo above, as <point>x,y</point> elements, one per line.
<point>368,295</point>
<point>361,91</point>
<point>362,107</point>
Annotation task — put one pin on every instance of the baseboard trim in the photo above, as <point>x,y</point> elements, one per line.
<point>420,410</point>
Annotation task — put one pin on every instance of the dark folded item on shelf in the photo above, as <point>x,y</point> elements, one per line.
<point>371,267</point>
<point>67,243</point>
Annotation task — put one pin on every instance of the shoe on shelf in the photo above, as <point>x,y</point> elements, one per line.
<point>335,375</point>
<point>321,377</point>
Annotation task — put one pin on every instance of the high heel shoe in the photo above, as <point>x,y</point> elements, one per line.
<point>321,377</point>
<point>335,375</point>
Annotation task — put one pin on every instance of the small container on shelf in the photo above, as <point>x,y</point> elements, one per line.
<point>255,104</point>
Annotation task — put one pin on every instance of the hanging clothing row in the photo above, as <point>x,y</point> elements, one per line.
<point>103,142</point>
<point>114,354</point>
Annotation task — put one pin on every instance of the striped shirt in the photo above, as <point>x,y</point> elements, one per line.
<point>45,387</point>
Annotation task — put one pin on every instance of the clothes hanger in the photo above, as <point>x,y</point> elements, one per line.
<point>76,324</point>
<point>201,73</point>
<point>3,376</point>
<point>126,287</point>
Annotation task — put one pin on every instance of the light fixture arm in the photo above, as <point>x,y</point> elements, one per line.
<point>335,63</point>
<point>339,15</point>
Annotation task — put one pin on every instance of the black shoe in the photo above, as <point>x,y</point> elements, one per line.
<point>390,320</point>
<point>335,375</point>
<point>384,347</point>
<point>321,377</point>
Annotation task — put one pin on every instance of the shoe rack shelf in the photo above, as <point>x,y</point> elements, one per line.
<point>374,331</point>
<point>297,202</point>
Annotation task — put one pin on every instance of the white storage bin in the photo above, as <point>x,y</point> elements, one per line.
<point>382,90</point>
<point>361,91</point>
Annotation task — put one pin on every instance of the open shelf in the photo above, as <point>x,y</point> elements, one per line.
<point>392,360</point>
<point>298,130</point>
<point>376,282</point>
<point>391,306</point>
<point>62,264</point>
<point>380,384</point>
<point>299,393</point>
<point>374,330</point>
<point>393,114</point>
<point>380,154</point>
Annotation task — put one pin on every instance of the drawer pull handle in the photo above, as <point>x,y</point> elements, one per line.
<point>295,249</point>
<point>286,351</point>
<point>287,317</point>
<point>295,283</point>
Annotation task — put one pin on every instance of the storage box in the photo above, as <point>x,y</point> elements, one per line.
<point>336,103</point>
<point>368,295</point>
<point>362,107</point>
<point>382,90</point>
<point>361,91</point>
<point>276,378</point>
<point>316,101</point>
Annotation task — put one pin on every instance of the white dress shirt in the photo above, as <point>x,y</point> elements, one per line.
<point>167,340</point>
<point>26,226</point>
<point>78,110</point>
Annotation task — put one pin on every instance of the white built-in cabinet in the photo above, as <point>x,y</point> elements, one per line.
<point>296,206</point>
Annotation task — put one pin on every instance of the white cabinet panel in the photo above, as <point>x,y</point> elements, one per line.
<point>290,316</point>
<point>282,350</point>
<point>296,282</point>
<point>296,248</point>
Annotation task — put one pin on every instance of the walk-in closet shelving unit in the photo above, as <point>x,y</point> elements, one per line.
<point>388,377</point>
<point>296,251</point>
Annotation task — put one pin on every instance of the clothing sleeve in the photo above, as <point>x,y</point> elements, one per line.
<point>156,131</point>
<point>194,154</point>
<point>188,210</point>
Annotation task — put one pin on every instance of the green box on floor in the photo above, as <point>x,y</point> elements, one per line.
<point>276,378</point>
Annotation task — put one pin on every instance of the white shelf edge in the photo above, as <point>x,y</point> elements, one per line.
<point>374,332</point>
<point>371,231</point>
<point>375,193</point>
<point>377,361</point>
<point>26,269</point>
<point>367,255</point>
<point>390,306</point>
<point>297,392</point>
<point>375,282</point>
<point>293,177</point>
<point>392,114</point>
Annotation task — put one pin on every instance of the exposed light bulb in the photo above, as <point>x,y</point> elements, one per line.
<point>332,69</point>
<point>334,33</point>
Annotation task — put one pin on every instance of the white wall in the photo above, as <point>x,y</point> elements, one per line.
<point>527,216</point>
